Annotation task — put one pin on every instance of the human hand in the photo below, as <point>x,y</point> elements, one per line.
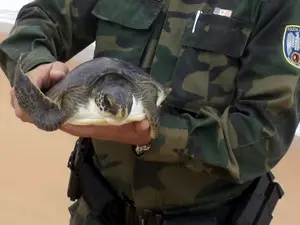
<point>136,133</point>
<point>44,77</point>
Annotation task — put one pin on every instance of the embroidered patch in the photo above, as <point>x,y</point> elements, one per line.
<point>291,45</point>
<point>222,12</point>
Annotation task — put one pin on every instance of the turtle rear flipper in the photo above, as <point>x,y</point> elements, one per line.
<point>45,114</point>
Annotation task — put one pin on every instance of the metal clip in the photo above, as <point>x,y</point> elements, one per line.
<point>141,149</point>
<point>148,217</point>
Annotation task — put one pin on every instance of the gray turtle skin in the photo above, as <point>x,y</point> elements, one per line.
<point>100,91</point>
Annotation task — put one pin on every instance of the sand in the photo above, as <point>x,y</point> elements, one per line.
<point>34,174</point>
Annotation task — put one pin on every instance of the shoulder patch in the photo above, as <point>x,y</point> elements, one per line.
<point>291,45</point>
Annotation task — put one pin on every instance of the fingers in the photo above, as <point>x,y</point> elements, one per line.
<point>125,134</point>
<point>58,71</point>
<point>79,131</point>
<point>40,74</point>
<point>142,126</point>
<point>90,130</point>
<point>44,77</point>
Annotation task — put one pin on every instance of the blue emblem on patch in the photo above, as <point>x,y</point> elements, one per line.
<point>291,45</point>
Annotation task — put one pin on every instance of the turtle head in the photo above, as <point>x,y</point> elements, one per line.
<point>115,101</point>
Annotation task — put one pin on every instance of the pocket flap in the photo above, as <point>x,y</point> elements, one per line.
<point>137,14</point>
<point>218,34</point>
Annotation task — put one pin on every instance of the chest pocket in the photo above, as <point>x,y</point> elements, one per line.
<point>125,27</point>
<point>209,60</point>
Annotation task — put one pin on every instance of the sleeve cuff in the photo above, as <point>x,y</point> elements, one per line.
<point>37,57</point>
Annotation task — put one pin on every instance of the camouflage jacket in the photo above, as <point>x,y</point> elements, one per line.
<point>233,66</point>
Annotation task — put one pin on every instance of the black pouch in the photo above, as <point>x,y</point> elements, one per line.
<point>88,182</point>
<point>100,197</point>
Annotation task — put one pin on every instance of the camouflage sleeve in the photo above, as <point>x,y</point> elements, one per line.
<point>254,132</point>
<point>49,30</point>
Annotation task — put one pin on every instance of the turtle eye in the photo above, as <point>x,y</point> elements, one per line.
<point>107,101</point>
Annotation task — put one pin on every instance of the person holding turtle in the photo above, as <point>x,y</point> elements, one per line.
<point>229,119</point>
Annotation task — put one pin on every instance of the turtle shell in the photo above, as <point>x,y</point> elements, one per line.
<point>86,74</point>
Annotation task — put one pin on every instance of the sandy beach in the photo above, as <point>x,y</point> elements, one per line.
<point>34,174</point>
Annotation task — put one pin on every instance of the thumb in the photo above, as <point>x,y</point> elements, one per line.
<point>58,71</point>
<point>142,126</point>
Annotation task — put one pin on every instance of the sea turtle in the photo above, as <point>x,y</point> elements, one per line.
<point>100,91</point>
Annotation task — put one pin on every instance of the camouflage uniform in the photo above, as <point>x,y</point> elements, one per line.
<point>233,66</point>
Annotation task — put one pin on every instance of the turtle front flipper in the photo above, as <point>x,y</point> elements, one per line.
<point>153,129</point>
<point>44,113</point>
<point>153,117</point>
<point>152,114</point>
